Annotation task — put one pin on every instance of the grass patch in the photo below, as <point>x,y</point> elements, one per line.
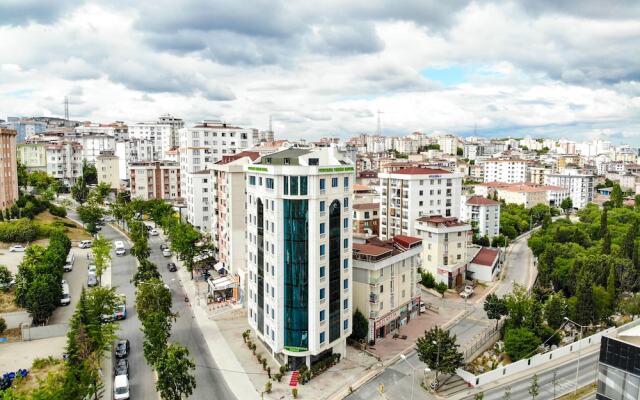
<point>7,301</point>
<point>73,230</point>
<point>39,372</point>
<point>582,392</point>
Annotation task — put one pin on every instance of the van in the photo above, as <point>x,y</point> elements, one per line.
<point>85,244</point>
<point>121,387</point>
<point>120,250</point>
<point>65,300</point>
<point>68,265</point>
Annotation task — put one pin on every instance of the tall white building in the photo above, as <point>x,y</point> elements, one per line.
<point>410,193</point>
<point>581,186</point>
<point>94,144</point>
<point>207,142</point>
<point>507,171</point>
<point>163,134</point>
<point>64,161</point>
<point>484,212</point>
<point>299,252</point>
<point>199,198</point>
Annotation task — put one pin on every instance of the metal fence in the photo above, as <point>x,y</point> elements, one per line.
<point>482,341</point>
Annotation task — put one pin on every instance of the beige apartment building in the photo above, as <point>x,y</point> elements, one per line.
<point>8,168</point>
<point>33,156</point>
<point>155,180</point>
<point>108,168</point>
<point>384,283</point>
<point>444,248</point>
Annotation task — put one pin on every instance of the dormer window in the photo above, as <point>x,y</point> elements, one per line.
<point>314,161</point>
<point>287,161</point>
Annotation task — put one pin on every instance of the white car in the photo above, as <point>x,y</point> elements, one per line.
<point>92,269</point>
<point>17,248</point>
<point>121,387</point>
<point>166,253</point>
<point>154,232</point>
<point>85,244</point>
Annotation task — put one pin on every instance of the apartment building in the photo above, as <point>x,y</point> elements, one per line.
<point>95,144</point>
<point>482,212</point>
<point>618,377</point>
<point>384,283</point>
<point>64,161</point>
<point>538,175</point>
<point>199,199</point>
<point>207,142</point>
<point>163,134</point>
<point>8,168</point>
<point>523,194</point>
<point>26,128</point>
<point>366,219</point>
<point>580,186</point>
<point>507,171</point>
<point>444,248</point>
<point>299,252</point>
<point>119,130</point>
<point>108,169</point>
<point>155,180</point>
<point>229,216</point>
<point>33,156</point>
<point>448,144</point>
<point>410,193</point>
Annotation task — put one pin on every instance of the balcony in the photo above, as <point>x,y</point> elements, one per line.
<point>374,314</point>
<point>374,298</point>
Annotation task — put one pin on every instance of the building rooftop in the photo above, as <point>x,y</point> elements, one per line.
<point>357,187</point>
<point>420,171</point>
<point>440,220</point>
<point>279,157</point>
<point>486,256</point>
<point>375,250</point>
<point>253,155</point>
<point>482,201</point>
<point>366,206</point>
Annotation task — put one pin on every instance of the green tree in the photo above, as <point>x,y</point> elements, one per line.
<point>101,249</point>
<point>23,176</point>
<point>566,205</point>
<point>602,303</point>
<point>459,151</point>
<point>606,243</point>
<point>534,387</point>
<point>146,271</point>
<point>631,305</point>
<point>519,307</point>
<point>438,349</point>
<point>102,191</point>
<point>629,243</point>
<point>89,173</point>
<point>7,214</point>
<point>175,373</point>
<point>43,296</point>
<point>546,221</point>
<point>158,210</point>
<point>636,201</point>
<point>495,307</point>
<point>153,296</point>
<point>585,304</point>
<point>184,240</point>
<point>80,191</point>
<point>520,343</point>
<point>90,214</point>
<point>555,309</point>
<point>157,330</point>
<point>603,223</point>
<point>611,288</point>
<point>360,326</point>
<point>617,197</point>
<point>5,277</point>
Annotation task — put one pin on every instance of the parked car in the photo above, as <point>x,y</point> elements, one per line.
<point>166,253</point>
<point>85,244</point>
<point>120,313</point>
<point>17,248</point>
<point>121,387</point>
<point>91,269</point>
<point>154,232</point>
<point>65,300</point>
<point>163,246</point>
<point>68,264</point>
<point>120,250</point>
<point>92,279</point>
<point>122,348</point>
<point>467,292</point>
<point>172,267</point>
<point>121,367</point>
<point>108,218</point>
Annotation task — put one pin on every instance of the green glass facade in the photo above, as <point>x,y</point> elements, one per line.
<point>335,250</point>
<point>296,275</point>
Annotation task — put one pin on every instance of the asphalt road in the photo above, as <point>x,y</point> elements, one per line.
<point>397,378</point>
<point>76,278</point>
<point>209,381</point>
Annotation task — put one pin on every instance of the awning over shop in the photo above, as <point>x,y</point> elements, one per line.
<point>203,256</point>
<point>221,283</point>
<point>218,266</point>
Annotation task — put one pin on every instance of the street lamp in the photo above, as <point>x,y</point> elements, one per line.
<point>413,372</point>
<point>575,392</point>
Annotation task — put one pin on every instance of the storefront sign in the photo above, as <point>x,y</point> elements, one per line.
<point>388,318</point>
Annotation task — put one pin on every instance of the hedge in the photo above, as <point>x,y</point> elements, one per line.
<point>22,230</point>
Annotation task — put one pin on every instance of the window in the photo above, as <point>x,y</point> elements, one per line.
<point>346,243</point>
<point>345,304</point>
<point>345,324</point>
<point>322,184</point>
<point>286,185</point>
<point>345,263</point>
<point>322,269</point>
<point>303,185</point>
<point>260,181</point>
<point>269,182</point>
<point>252,180</point>
<point>322,228</point>
<point>322,206</point>
<point>345,284</point>
<point>322,250</point>
<point>322,294</point>
<point>321,315</point>
<point>294,185</point>
<point>345,223</point>
<point>314,161</point>
<point>346,181</point>
<point>321,337</point>
<point>334,182</point>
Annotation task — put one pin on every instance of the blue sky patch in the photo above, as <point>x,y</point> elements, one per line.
<point>450,76</point>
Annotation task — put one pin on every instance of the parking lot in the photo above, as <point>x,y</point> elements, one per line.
<point>77,278</point>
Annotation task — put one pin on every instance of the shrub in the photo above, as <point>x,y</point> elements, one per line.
<point>58,211</point>
<point>45,362</point>
<point>428,280</point>
<point>264,363</point>
<point>294,393</point>
<point>3,325</point>
<point>21,230</point>
<point>277,376</point>
<point>520,343</point>
<point>267,387</point>
<point>283,369</point>
<point>441,287</point>
<point>5,277</point>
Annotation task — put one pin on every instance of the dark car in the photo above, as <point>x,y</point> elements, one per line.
<point>172,267</point>
<point>122,348</point>
<point>121,367</point>
<point>163,246</point>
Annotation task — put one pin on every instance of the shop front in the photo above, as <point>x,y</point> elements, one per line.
<point>390,323</point>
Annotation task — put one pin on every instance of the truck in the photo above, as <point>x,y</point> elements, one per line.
<point>467,292</point>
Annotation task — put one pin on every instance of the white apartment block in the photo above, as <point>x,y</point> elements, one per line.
<point>108,169</point>
<point>199,199</point>
<point>33,156</point>
<point>410,193</point>
<point>507,171</point>
<point>155,180</point>
<point>118,129</point>
<point>444,244</point>
<point>299,252</point>
<point>64,161</point>
<point>448,144</point>
<point>132,151</point>
<point>384,283</point>
<point>581,186</point>
<point>207,142</point>
<point>229,216</point>
<point>163,134</point>
<point>94,144</point>
<point>484,212</point>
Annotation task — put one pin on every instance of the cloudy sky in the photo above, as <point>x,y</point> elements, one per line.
<point>552,68</point>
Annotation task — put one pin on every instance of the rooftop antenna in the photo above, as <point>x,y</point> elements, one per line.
<point>66,108</point>
<point>379,126</point>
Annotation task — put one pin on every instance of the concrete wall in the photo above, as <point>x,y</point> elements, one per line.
<point>44,332</point>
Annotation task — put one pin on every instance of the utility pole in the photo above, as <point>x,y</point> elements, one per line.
<point>379,131</point>
<point>66,109</point>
